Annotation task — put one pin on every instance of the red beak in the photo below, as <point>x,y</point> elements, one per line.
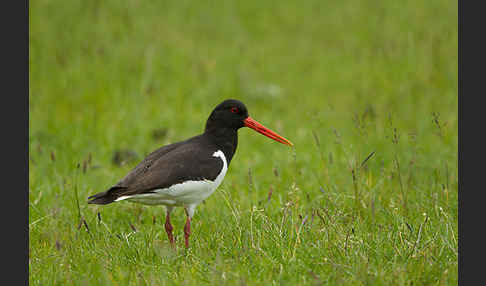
<point>253,124</point>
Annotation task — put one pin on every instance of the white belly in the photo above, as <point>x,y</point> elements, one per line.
<point>186,193</point>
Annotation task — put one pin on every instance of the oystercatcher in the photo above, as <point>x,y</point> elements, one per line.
<point>187,172</point>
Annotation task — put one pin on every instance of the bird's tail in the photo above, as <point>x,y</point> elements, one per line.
<point>104,198</point>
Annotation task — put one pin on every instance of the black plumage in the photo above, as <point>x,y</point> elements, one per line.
<point>191,159</point>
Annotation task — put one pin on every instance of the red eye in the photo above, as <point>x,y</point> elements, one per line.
<point>234,109</point>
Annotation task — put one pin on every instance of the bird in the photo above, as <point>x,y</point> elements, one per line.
<point>185,173</point>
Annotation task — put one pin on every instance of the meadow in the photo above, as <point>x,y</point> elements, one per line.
<point>366,90</point>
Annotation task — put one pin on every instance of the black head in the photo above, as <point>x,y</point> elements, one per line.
<point>230,113</point>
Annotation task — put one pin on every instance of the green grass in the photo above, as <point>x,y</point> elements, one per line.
<point>340,79</point>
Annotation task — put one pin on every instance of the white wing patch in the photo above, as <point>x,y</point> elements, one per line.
<point>186,193</point>
<point>221,175</point>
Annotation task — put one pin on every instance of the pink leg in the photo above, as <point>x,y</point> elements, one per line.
<point>169,228</point>
<point>187,231</point>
